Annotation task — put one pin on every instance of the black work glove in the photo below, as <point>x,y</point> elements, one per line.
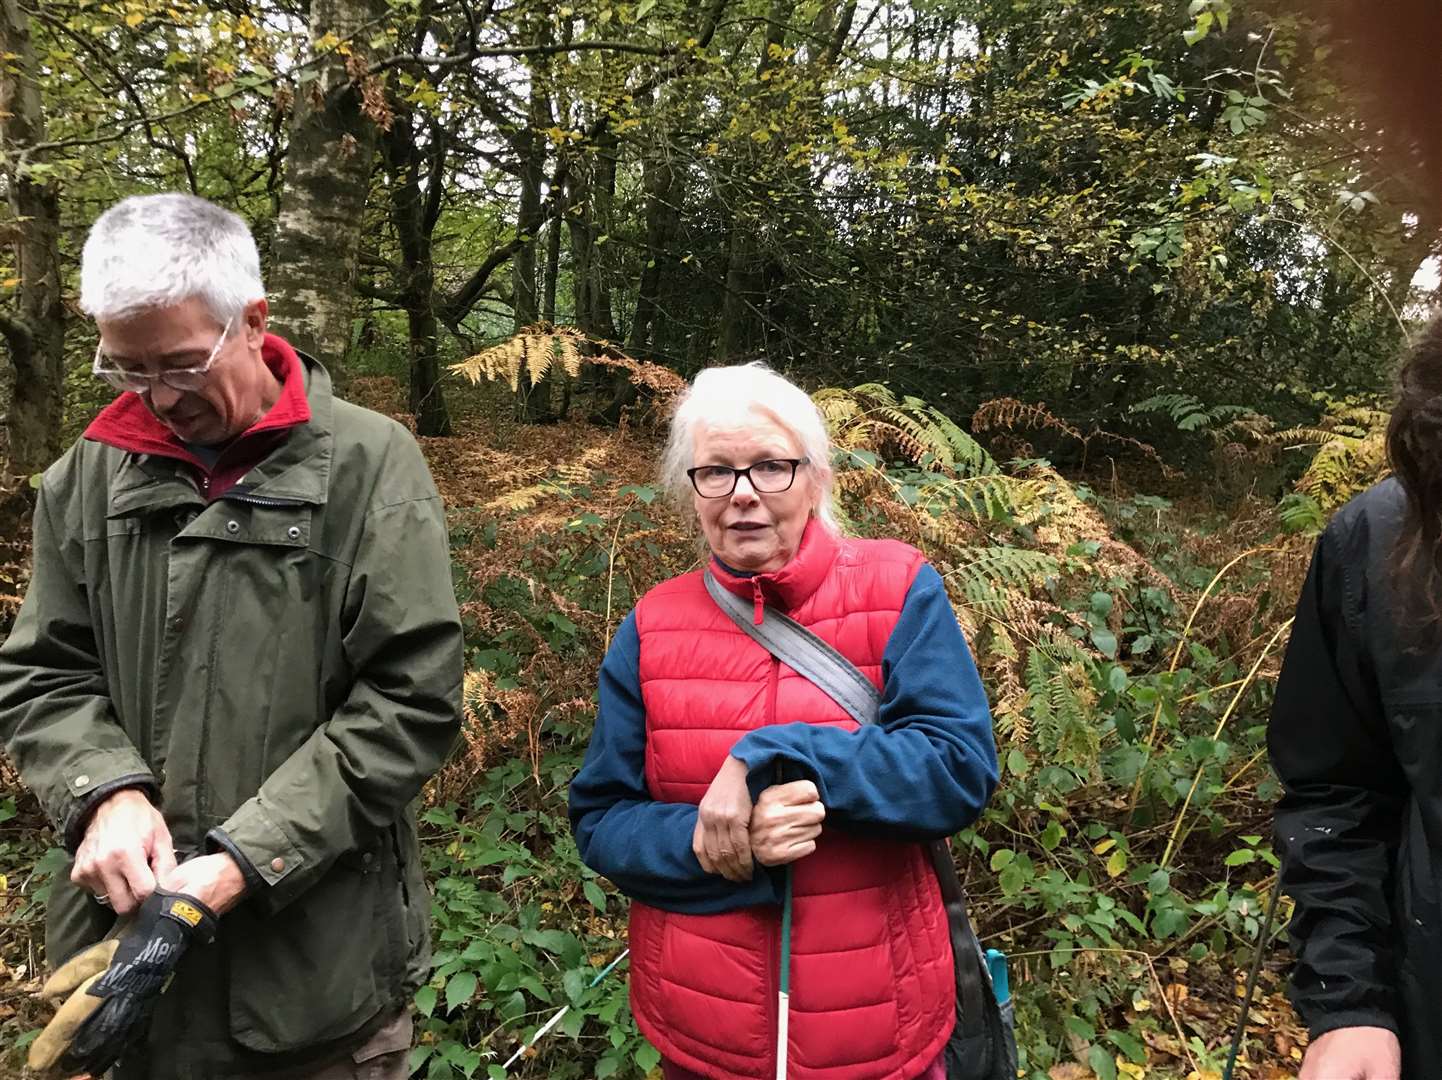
<point>111,987</point>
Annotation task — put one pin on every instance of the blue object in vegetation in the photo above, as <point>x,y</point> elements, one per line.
<point>1000,981</point>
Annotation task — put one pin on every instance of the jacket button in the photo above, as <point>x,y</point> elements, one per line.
<point>81,780</point>
<point>232,527</point>
<point>277,864</point>
<point>293,532</point>
<point>176,623</point>
<point>368,858</point>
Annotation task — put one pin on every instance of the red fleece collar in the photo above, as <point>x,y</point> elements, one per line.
<point>792,585</point>
<point>128,425</point>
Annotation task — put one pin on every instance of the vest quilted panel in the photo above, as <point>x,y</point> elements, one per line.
<point>872,990</point>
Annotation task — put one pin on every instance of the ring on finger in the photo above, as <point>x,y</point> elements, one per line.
<point>102,899</point>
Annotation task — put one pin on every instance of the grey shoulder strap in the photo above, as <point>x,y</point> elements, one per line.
<point>801,650</point>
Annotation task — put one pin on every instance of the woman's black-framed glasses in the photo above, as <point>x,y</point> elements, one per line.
<point>769,477</point>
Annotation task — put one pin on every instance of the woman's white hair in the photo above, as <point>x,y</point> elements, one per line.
<point>732,397</point>
<point>156,251</point>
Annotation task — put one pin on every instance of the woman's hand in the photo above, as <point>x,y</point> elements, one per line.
<point>1354,1053</point>
<point>722,840</point>
<point>786,822</point>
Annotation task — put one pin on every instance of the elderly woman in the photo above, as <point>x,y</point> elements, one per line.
<point>713,767</point>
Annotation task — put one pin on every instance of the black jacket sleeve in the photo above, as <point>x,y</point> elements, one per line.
<point>1339,819</point>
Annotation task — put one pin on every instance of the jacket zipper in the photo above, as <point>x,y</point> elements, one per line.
<point>772,683</point>
<point>261,500</point>
<point>202,793</point>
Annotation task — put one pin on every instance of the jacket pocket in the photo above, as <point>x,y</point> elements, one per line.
<point>315,971</point>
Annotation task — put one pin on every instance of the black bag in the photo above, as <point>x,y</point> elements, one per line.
<point>983,1043</point>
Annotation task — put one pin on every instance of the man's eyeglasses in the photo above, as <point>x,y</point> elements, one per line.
<point>184,379</point>
<point>768,477</point>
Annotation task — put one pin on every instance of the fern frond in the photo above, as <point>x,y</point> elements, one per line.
<point>535,351</point>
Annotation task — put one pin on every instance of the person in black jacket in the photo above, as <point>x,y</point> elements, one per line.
<point>1356,739</point>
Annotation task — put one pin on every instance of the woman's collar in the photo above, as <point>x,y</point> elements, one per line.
<point>792,585</point>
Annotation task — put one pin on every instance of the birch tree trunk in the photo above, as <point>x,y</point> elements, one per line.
<point>328,170</point>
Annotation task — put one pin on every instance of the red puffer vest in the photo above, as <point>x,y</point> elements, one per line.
<point>872,992</point>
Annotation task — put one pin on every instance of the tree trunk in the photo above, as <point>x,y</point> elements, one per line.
<point>328,169</point>
<point>533,403</point>
<point>552,269</point>
<point>35,330</point>
<point>608,151</point>
<point>740,327</point>
<point>658,180</point>
<point>413,214</point>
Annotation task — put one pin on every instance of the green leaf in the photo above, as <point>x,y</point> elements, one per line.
<point>551,940</point>
<point>607,1066</point>
<point>644,8</point>
<point>1012,879</point>
<point>574,983</point>
<point>1016,762</point>
<point>1102,1063</point>
<point>1001,859</point>
<point>1129,1045</point>
<point>1117,679</point>
<point>1169,922</point>
<point>1080,1028</point>
<point>513,1008</point>
<point>1117,864</point>
<point>426,1000</point>
<point>647,1057</point>
<point>54,859</point>
<point>1101,604</point>
<point>1052,835</point>
<point>1105,641</point>
<point>1241,858</point>
<point>1159,882</point>
<point>460,989</point>
<point>595,894</point>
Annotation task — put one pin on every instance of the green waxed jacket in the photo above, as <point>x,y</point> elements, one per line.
<point>281,669</point>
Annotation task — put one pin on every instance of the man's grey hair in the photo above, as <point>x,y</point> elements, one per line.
<point>732,397</point>
<point>156,251</point>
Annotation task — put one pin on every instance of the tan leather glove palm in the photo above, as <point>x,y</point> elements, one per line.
<point>110,989</point>
<point>66,989</point>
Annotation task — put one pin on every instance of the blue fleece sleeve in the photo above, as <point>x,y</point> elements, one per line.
<point>642,845</point>
<point>928,766</point>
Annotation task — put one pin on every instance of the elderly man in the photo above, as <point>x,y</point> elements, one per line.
<point>238,661</point>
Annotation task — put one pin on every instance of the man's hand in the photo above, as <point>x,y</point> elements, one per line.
<point>125,850</point>
<point>722,841</point>
<point>106,993</point>
<point>786,822</point>
<point>1353,1053</point>
<point>214,880</point>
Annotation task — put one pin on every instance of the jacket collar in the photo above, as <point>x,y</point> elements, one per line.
<point>127,424</point>
<point>792,585</point>
<point>297,470</point>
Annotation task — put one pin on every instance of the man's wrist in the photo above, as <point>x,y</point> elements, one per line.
<point>229,886</point>
<point>218,841</point>
<point>140,784</point>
